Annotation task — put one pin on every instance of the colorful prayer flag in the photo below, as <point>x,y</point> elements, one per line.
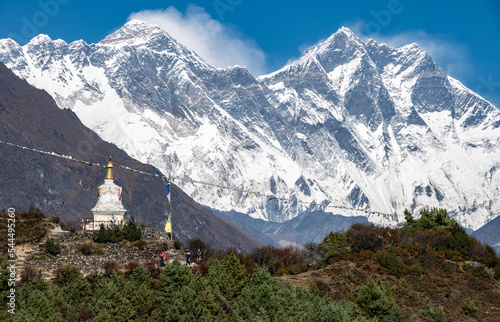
<point>168,191</point>
<point>168,225</point>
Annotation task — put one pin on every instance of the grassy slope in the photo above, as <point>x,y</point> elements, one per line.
<point>444,283</point>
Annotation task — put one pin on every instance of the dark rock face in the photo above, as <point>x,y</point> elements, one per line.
<point>68,189</point>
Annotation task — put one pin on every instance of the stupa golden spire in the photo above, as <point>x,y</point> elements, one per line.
<point>109,172</point>
<point>109,208</point>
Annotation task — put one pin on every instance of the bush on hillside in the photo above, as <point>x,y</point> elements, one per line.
<point>30,227</point>
<point>129,268</point>
<point>28,274</point>
<point>468,306</point>
<point>130,231</point>
<point>430,219</point>
<point>376,300</point>
<point>66,275</point>
<point>153,267</point>
<point>112,234</point>
<point>71,226</point>
<point>434,314</point>
<point>459,239</point>
<point>52,247</point>
<point>110,267</point>
<point>118,232</point>
<point>391,261</point>
<point>333,244</point>
<point>178,244</point>
<point>279,261</point>
<point>87,249</point>
<point>416,270</point>
<point>435,240</point>
<point>370,237</point>
<point>54,219</point>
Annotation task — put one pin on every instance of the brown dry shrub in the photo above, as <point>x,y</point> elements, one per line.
<point>88,249</point>
<point>202,267</point>
<point>452,255</point>
<point>129,268</point>
<point>275,258</point>
<point>141,244</point>
<point>414,250</point>
<point>54,219</point>
<point>361,237</point>
<point>364,255</point>
<point>482,252</point>
<point>477,284</point>
<point>294,269</point>
<point>110,267</point>
<point>429,263</point>
<point>27,275</point>
<point>432,240</point>
<point>153,268</point>
<point>247,262</point>
<point>178,244</point>
<point>402,252</point>
<point>85,313</point>
<point>322,287</point>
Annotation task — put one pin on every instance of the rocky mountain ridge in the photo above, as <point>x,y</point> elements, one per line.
<point>351,123</point>
<point>68,189</point>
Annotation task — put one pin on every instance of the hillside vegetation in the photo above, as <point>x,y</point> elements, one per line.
<point>428,269</point>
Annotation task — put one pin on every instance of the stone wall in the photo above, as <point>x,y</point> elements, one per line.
<point>122,253</point>
<point>153,233</point>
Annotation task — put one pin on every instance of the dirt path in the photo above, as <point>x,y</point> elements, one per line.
<point>21,252</point>
<point>24,250</point>
<point>55,231</point>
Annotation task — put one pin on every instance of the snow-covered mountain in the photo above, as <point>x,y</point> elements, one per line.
<point>351,123</point>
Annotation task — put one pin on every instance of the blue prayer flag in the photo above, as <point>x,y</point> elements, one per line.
<point>168,191</point>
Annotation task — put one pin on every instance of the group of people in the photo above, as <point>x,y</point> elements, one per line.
<point>187,253</point>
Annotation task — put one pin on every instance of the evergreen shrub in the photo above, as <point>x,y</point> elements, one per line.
<point>416,270</point>
<point>468,306</point>
<point>391,261</point>
<point>496,275</point>
<point>333,244</point>
<point>52,247</point>
<point>66,275</point>
<point>118,232</point>
<point>130,231</point>
<point>376,300</point>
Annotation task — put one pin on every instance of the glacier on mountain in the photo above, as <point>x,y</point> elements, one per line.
<point>350,123</point>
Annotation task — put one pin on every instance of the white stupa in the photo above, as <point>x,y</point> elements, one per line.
<point>109,208</point>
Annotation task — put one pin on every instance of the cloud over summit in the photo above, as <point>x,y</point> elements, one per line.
<point>215,42</point>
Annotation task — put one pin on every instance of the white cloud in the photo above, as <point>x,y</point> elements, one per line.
<point>217,43</point>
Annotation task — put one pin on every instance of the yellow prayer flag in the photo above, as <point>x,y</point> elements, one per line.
<point>168,225</point>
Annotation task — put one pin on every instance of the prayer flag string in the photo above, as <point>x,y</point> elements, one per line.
<point>183,179</point>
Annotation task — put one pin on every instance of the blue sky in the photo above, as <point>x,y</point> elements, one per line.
<point>463,37</point>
